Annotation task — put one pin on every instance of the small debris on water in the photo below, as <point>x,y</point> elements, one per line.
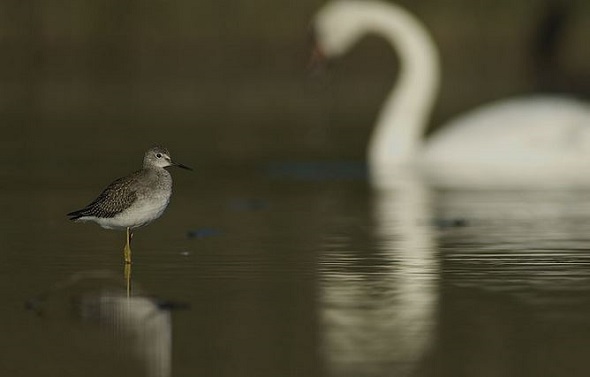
<point>451,223</point>
<point>203,233</point>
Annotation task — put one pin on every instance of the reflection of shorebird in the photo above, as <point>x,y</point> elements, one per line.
<point>139,323</point>
<point>529,141</point>
<point>135,200</point>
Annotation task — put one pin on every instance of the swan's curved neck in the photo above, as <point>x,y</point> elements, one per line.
<point>406,111</point>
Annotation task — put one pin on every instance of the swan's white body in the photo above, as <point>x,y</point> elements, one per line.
<point>537,141</point>
<point>528,142</point>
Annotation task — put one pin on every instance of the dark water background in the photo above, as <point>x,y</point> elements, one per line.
<point>292,277</point>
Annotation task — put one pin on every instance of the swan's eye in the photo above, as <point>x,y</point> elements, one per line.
<point>159,155</point>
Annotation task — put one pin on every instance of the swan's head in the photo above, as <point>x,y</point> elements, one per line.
<point>337,26</point>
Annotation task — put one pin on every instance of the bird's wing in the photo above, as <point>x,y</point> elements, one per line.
<point>118,196</point>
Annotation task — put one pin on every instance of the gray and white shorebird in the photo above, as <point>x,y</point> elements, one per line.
<point>135,200</point>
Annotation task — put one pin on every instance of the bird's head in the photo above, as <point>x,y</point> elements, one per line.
<point>158,156</point>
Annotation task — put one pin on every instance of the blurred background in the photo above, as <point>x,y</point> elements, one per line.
<point>228,80</point>
<point>318,277</point>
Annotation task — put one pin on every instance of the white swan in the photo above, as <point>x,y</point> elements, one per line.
<point>536,141</point>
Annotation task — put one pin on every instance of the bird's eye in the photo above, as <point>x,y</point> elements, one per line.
<point>159,155</point>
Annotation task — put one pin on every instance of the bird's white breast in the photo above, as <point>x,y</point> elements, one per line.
<point>142,212</point>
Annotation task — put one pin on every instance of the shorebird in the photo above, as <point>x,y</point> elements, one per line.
<point>135,200</point>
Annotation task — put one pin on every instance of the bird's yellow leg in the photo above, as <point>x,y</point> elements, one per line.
<point>127,274</point>
<point>127,249</point>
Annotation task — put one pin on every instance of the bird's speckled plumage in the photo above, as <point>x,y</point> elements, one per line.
<point>134,200</point>
<point>113,199</point>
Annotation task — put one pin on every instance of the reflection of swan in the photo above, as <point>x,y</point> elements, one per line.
<point>516,142</point>
<point>380,307</point>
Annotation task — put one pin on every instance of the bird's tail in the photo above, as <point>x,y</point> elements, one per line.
<point>76,215</point>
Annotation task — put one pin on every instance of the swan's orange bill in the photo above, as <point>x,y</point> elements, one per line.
<point>317,59</point>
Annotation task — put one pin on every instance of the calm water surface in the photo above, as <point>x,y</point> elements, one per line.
<point>260,275</point>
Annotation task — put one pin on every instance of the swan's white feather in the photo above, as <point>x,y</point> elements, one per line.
<point>541,141</point>
<point>534,141</point>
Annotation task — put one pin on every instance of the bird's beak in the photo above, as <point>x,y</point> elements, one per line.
<point>181,166</point>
